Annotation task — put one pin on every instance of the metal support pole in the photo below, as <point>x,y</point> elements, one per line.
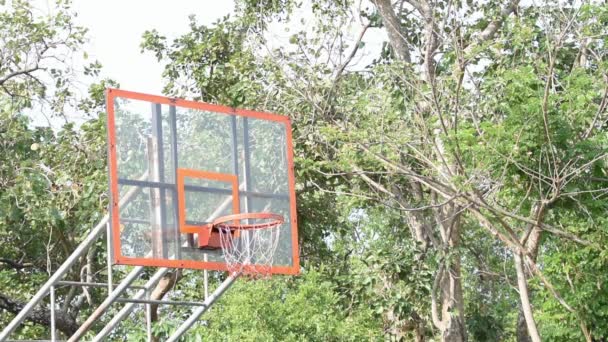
<point>61,271</point>
<point>247,179</point>
<point>126,310</point>
<point>206,278</point>
<point>159,302</point>
<point>109,255</point>
<point>53,330</point>
<point>156,200</point>
<point>148,317</point>
<point>160,212</point>
<point>225,285</point>
<point>65,267</point>
<point>84,327</point>
<point>174,160</point>
<point>86,284</point>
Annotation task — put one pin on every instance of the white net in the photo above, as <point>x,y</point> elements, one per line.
<point>249,251</point>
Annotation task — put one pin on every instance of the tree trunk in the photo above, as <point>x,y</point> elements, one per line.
<point>393,28</point>
<point>450,319</point>
<point>522,331</point>
<point>447,217</point>
<point>165,284</point>
<point>522,285</point>
<point>452,311</point>
<point>419,334</point>
<point>63,321</point>
<point>531,242</point>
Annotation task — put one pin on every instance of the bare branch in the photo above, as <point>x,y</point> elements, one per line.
<point>16,264</point>
<point>490,31</point>
<point>17,73</point>
<point>353,51</point>
<point>64,322</point>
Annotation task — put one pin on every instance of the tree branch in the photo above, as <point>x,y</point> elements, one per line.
<point>15,264</point>
<point>490,31</point>
<point>522,285</point>
<point>353,51</point>
<point>64,322</point>
<point>393,27</point>
<point>17,73</point>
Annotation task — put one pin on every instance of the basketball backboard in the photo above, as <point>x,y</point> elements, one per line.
<point>184,164</point>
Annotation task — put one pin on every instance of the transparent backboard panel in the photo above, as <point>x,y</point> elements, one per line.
<point>206,199</point>
<point>222,151</point>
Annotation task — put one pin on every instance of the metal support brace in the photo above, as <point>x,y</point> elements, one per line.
<point>126,310</point>
<point>87,284</point>
<point>225,285</point>
<point>206,278</point>
<point>61,271</point>
<point>84,327</point>
<point>148,317</point>
<point>159,302</point>
<point>53,330</point>
<point>109,255</point>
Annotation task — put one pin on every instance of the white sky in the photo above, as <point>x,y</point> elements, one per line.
<point>116,27</point>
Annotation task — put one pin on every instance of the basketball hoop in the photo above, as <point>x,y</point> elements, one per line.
<point>249,241</point>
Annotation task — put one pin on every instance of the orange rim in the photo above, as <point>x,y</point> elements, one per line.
<point>273,220</point>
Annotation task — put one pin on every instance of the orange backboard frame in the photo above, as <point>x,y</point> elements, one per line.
<point>111,95</point>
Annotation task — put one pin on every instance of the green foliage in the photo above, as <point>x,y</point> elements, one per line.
<point>53,186</point>
<point>37,49</point>
<point>211,64</point>
<point>523,126</point>
<point>53,190</point>
<point>305,308</point>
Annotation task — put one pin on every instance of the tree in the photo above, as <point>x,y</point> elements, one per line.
<point>36,54</point>
<point>467,160</point>
<point>304,308</point>
<point>52,181</point>
<point>434,139</point>
<point>51,195</point>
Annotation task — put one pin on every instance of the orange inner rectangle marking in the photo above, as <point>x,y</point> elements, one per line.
<point>181,195</point>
